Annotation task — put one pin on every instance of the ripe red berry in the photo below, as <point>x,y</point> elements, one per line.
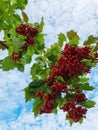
<point>39,93</point>
<point>49,79</point>
<point>70,63</point>
<point>29,41</point>
<point>48,103</point>
<point>15,57</point>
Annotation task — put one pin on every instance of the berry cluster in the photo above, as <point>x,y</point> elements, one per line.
<point>70,63</point>
<point>39,93</point>
<point>57,88</point>
<point>80,97</point>
<point>29,32</point>
<point>68,106</point>
<point>29,41</point>
<point>75,112</point>
<point>26,30</point>
<point>48,103</point>
<point>15,57</point>
<point>72,52</point>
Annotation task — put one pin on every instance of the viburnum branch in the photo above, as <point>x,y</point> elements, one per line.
<point>58,73</point>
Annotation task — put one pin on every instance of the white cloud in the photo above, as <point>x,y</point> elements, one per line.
<point>59,16</point>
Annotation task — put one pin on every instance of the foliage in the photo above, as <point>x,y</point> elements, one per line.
<point>59,73</point>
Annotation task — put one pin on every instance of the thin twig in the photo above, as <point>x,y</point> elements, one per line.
<point>3,44</point>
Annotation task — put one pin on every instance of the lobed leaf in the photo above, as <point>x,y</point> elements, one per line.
<point>25,17</point>
<point>71,34</point>
<point>91,39</point>
<point>88,104</point>
<point>61,39</point>
<point>37,105</point>
<point>41,25</point>
<point>86,86</point>
<point>8,64</point>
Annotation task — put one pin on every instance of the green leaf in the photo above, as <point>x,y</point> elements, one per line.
<point>89,63</point>
<point>74,80</point>
<point>60,79</point>
<point>71,122</point>
<point>40,38</point>
<point>88,104</point>
<point>96,47</point>
<point>59,101</point>
<point>36,83</point>
<point>91,39</point>
<point>20,67</point>
<point>55,111</point>
<point>84,79</point>
<point>36,70</point>
<point>53,53</point>
<point>72,34</point>
<point>28,94</point>
<point>64,101</point>
<point>39,85</point>
<point>8,64</point>
<point>41,25</point>
<point>61,39</point>
<point>18,42</point>
<point>37,105</point>
<point>86,86</point>
<point>22,5</point>
<point>28,58</point>
<point>40,43</point>
<point>81,121</point>
<point>25,17</point>
<point>74,41</point>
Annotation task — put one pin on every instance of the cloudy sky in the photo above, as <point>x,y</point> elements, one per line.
<point>59,16</point>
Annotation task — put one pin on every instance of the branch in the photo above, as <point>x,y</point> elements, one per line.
<point>3,44</point>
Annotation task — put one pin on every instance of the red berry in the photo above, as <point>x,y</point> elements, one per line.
<point>15,57</point>
<point>29,41</point>
<point>39,93</point>
<point>48,103</point>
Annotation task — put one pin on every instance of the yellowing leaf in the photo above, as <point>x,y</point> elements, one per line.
<point>91,39</point>
<point>71,34</point>
<point>25,16</point>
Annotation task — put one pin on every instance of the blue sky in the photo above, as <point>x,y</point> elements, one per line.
<point>59,16</point>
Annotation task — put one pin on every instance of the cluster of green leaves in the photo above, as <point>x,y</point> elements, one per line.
<point>42,68</point>
<point>45,58</point>
<point>30,91</point>
<point>73,38</point>
<point>14,42</point>
<point>8,13</point>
